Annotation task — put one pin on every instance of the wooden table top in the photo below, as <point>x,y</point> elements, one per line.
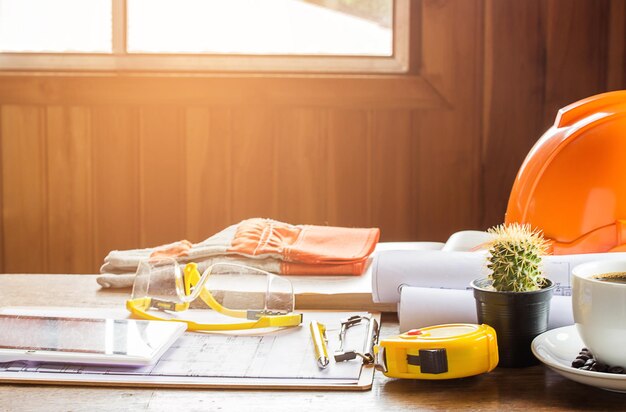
<point>533,388</point>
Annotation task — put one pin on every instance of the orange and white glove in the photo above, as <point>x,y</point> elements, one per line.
<point>266,244</point>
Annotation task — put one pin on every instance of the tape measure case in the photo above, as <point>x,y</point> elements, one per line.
<point>439,352</point>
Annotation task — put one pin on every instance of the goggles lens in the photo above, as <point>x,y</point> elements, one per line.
<point>231,289</point>
<point>161,279</point>
<point>246,288</point>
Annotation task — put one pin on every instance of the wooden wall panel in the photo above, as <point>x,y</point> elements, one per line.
<point>302,150</point>
<point>577,37</point>
<point>616,66</point>
<point>115,150</point>
<point>2,243</point>
<point>24,189</point>
<point>254,164</point>
<point>539,57</point>
<point>392,159</point>
<point>162,177</point>
<point>448,147</point>
<point>209,172</point>
<point>348,173</point>
<point>96,162</point>
<point>513,114</point>
<point>69,190</point>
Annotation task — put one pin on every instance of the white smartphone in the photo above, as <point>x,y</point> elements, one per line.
<point>126,342</point>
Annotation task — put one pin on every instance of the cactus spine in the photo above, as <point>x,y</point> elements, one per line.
<point>514,258</point>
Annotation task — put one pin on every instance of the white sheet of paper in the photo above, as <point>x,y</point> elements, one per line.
<point>276,356</point>
<point>420,307</point>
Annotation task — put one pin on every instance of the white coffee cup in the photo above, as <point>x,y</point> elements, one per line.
<point>600,311</point>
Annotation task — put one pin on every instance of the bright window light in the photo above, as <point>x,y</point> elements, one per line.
<point>55,26</point>
<point>275,27</point>
<point>312,36</point>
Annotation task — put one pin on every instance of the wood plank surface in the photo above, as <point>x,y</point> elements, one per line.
<point>513,96</point>
<point>536,388</point>
<point>345,91</point>
<point>616,65</point>
<point>115,142</point>
<point>127,160</point>
<point>2,260</point>
<point>577,43</point>
<point>161,176</point>
<point>255,166</point>
<point>208,171</point>
<point>302,150</point>
<point>532,388</point>
<point>348,173</point>
<point>540,56</point>
<point>69,190</point>
<point>24,186</point>
<point>392,158</point>
<point>448,140</point>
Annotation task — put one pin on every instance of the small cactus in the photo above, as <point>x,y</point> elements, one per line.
<point>514,258</point>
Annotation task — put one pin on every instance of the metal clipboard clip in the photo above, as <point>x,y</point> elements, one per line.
<point>367,353</point>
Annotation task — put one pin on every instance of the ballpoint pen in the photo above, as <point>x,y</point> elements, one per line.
<point>318,332</point>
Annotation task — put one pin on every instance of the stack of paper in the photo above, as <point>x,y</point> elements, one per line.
<point>433,286</point>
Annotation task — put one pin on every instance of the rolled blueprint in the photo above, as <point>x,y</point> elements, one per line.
<point>393,269</point>
<point>420,307</point>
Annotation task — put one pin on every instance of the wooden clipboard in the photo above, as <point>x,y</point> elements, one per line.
<point>21,372</point>
<point>364,383</point>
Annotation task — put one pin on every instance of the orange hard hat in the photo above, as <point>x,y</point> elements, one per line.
<point>572,184</point>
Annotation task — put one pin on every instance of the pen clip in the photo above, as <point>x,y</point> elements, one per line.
<point>371,338</point>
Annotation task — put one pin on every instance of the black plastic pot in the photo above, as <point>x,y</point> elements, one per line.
<point>517,317</point>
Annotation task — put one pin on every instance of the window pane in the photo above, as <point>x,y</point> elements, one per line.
<point>55,25</point>
<point>314,27</point>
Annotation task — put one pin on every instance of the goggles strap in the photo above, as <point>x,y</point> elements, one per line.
<point>138,307</point>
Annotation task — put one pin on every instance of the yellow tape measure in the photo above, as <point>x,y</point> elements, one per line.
<point>439,352</point>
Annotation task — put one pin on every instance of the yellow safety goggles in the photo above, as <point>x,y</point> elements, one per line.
<point>162,290</point>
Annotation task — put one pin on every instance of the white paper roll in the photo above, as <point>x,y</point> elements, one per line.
<point>420,307</point>
<point>393,269</point>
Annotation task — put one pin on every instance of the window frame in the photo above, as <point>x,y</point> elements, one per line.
<point>122,61</point>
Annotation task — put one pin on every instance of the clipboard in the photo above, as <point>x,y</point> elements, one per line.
<point>282,359</point>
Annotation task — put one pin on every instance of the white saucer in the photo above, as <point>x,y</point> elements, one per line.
<point>557,348</point>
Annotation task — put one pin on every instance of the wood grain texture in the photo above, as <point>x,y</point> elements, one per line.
<point>539,57</point>
<point>392,158</point>
<point>348,172</point>
<point>69,190</point>
<point>208,171</point>
<point>254,164</point>
<point>448,145</point>
<point>577,39</point>
<point>162,178</point>
<point>513,96</point>
<point>93,162</point>
<point>616,67</point>
<point>534,388</point>
<point>219,89</point>
<point>24,189</point>
<point>302,150</point>
<point>1,203</point>
<point>115,143</point>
